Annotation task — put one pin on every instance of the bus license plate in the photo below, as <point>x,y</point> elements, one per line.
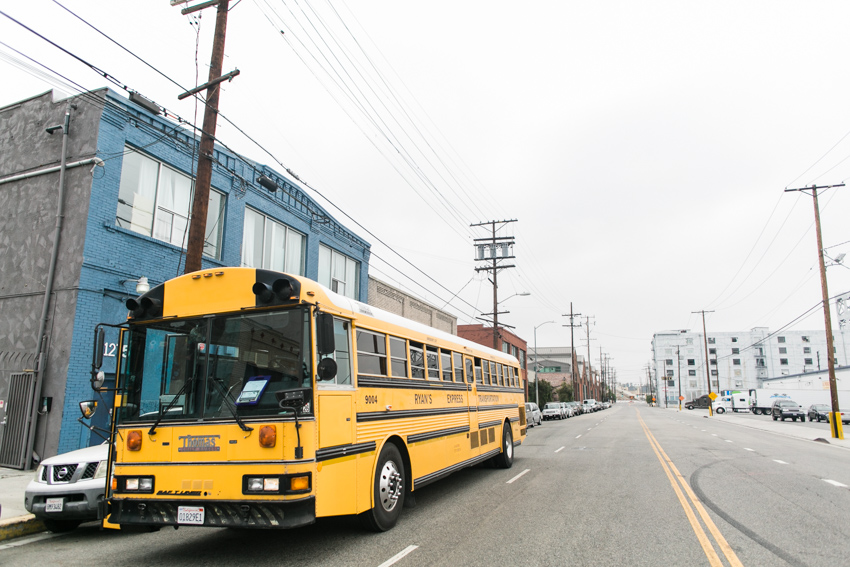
<point>54,504</point>
<point>190,515</point>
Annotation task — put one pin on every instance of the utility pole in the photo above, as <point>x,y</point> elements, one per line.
<point>494,244</point>
<point>679,377</point>
<point>590,381</point>
<point>200,203</point>
<point>573,359</point>
<point>835,423</point>
<point>707,365</point>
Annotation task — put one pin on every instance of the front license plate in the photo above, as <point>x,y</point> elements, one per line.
<point>190,515</point>
<point>54,504</point>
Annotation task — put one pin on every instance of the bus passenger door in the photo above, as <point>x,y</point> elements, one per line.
<point>336,475</point>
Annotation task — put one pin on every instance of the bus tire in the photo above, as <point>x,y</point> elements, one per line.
<point>505,459</point>
<point>388,491</point>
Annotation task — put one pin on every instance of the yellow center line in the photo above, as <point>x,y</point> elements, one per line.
<point>712,527</point>
<point>712,556</point>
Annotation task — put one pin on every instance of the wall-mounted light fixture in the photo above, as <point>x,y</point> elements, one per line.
<point>142,285</point>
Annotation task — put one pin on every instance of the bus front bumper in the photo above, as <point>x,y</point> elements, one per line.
<point>216,514</point>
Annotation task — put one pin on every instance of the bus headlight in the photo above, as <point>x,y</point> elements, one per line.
<point>135,484</point>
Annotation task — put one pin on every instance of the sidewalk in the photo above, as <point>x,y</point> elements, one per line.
<point>766,423</point>
<point>15,521</point>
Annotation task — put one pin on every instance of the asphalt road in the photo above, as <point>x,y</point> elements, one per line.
<point>592,490</point>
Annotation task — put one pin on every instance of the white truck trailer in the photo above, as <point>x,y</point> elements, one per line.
<point>761,399</point>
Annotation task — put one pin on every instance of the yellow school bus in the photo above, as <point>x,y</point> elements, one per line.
<point>257,399</point>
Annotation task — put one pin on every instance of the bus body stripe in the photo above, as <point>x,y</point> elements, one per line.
<point>408,414</point>
<point>488,424</point>
<point>404,383</point>
<point>436,434</point>
<point>329,453</point>
<point>437,475</point>
<point>503,406</point>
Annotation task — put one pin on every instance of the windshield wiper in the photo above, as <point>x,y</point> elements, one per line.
<point>231,405</point>
<point>170,405</point>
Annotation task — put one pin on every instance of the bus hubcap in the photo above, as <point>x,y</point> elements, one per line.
<point>390,485</point>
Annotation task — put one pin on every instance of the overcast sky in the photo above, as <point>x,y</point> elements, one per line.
<point>642,147</point>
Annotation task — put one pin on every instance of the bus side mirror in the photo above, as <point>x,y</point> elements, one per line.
<point>97,377</point>
<point>87,408</point>
<point>325,334</point>
<point>327,369</point>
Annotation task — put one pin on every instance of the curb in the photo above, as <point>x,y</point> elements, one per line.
<point>20,526</point>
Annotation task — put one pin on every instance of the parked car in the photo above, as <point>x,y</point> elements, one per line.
<point>532,414</point>
<point>845,416</point>
<point>67,488</point>
<point>576,407</point>
<point>700,402</point>
<point>818,412</point>
<point>553,410</point>
<point>568,409</point>
<point>782,409</point>
<point>589,405</point>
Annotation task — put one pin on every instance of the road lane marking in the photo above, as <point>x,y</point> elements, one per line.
<point>780,462</point>
<point>589,428</point>
<point>728,440</point>
<point>31,539</point>
<point>834,483</point>
<point>398,556</point>
<point>714,434</point>
<point>517,476</point>
<point>579,435</point>
<point>668,466</point>
<point>559,450</point>
<point>748,449</point>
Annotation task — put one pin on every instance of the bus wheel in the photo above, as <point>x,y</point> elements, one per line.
<point>505,459</point>
<point>388,491</point>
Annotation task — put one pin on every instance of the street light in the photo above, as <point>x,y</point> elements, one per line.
<point>521,294</point>
<point>537,364</point>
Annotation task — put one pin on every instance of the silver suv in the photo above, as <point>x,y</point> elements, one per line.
<point>532,414</point>
<point>66,488</point>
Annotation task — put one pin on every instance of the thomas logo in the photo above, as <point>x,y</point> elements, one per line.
<point>198,443</point>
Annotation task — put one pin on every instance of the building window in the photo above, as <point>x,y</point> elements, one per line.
<point>669,362</point>
<point>689,341</point>
<point>550,369</point>
<point>714,362</point>
<point>339,272</point>
<point>670,373</point>
<point>155,200</point>
<point>691,362</point>
<point>270,245</point>
<point>714,372</point>
<point>760,362</point>
<point>807,361</point>
<point>712,351</point>
<point>780,339</point>
<point>807,350</point>
<point>522,359</point>
<point>737,373</point>
<point>734,339</point>
<point>739,383</point>
<point>736,362</point>
<point>783,350</point>
<point>692,372</point>
<point>783,361</point>
<point>711,340</point>
<point>736,351</point>
<point>805,339</point>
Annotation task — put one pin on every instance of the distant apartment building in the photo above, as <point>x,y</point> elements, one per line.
<point>736,360</point>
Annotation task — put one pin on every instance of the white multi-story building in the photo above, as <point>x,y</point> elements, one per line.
<point>737,360</point>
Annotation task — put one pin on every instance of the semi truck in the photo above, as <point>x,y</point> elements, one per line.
<point>734,401</point>
<point>761,399</point>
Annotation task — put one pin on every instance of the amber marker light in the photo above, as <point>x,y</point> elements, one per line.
<point>134,440</point>
<point>299,483</point>
<point>268,436</point>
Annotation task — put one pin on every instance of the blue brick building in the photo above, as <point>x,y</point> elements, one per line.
<point>128,185</point>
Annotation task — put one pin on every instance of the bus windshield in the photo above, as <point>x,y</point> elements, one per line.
<point>213,367</point>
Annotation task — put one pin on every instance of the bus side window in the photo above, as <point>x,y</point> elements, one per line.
<point>499,374</point>
<point>398,354</point>
<point>486,368</point>
<point>371,353</point>
<point>446,365</point>
<point>469,370</point>
<point>494,373</point>
<point>478,370</point>
<point>457,359</point>
<point>417,360</point>
<point>342,352</point>
<point>432,357</point>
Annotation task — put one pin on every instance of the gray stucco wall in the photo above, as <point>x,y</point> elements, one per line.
<point>27,223</point>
